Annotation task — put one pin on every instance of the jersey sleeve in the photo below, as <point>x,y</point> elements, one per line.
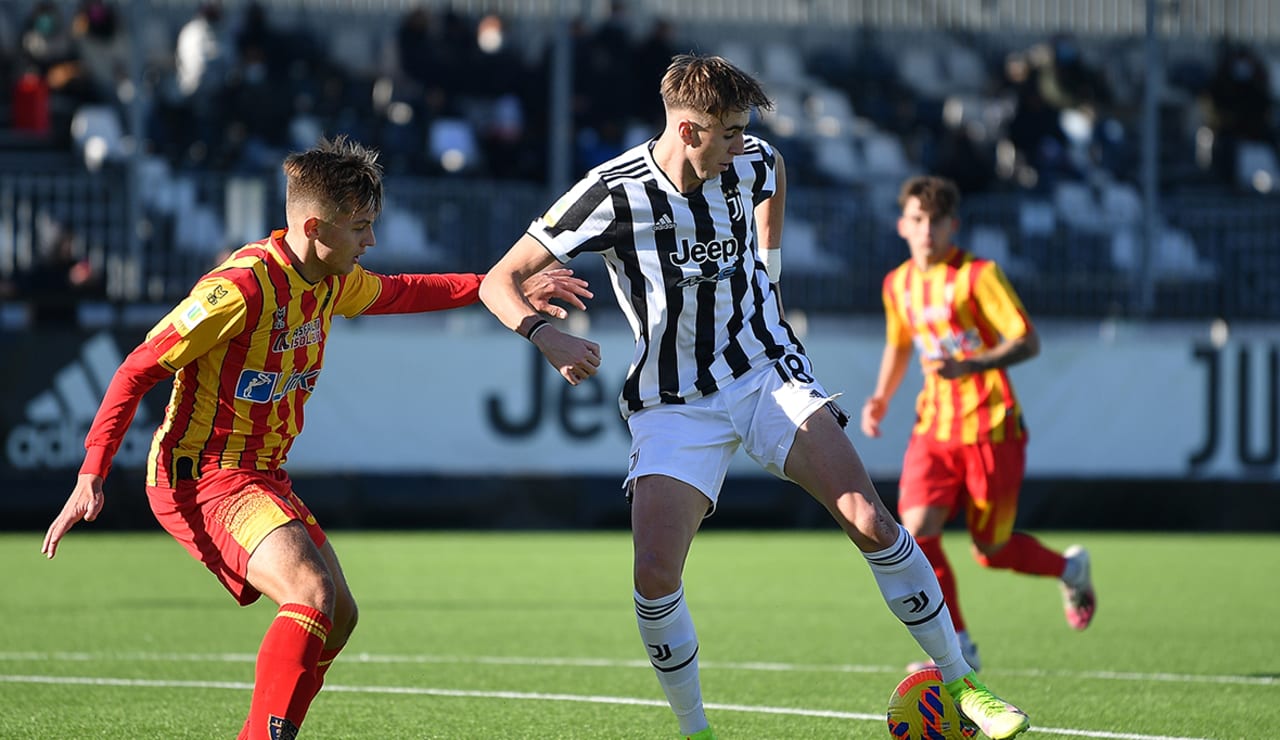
<point>999,303</point>
<point>139,373</point>
<point>582,220</point>
<point>364,292</point>
<point>214,312</point>
<point>765,163</point>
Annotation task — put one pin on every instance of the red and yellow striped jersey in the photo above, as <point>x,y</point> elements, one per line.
<point>957,308</point>
<point>247,347</point>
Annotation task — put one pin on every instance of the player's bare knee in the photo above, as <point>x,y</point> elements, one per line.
<point>987,554</point>
<point>655,576</point>
<point>869,526</point>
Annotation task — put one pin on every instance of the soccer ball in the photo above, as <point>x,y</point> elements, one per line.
<point>921,709</point>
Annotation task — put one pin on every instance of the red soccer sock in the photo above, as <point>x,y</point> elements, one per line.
<point>326,660</point>
<point>286,678</point>
<point>1024,554</point>
<point>932,549</point>
<point>322,667</point>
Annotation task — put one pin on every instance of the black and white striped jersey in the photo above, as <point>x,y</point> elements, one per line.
<point>684,269</point>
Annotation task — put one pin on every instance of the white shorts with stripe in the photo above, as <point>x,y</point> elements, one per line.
<point>694,442</point>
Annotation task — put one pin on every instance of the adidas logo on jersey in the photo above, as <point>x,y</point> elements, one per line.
<point>58,417</point>
<point>664,223</point>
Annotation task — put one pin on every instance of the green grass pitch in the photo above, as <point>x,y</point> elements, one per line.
<point>532,635</point>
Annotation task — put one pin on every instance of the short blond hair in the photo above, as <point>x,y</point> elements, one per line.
<point>337,176</point>
<point>711,85</point>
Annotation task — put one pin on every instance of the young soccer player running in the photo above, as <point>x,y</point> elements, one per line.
<point>245,350</point>
<point>689,225</point>
<point>968,446</point>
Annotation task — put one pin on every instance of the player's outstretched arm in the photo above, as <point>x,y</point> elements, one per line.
<point>502,292</point>
<point>139,372</point>
<point>84,503</point>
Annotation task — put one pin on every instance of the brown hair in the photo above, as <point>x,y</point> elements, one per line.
<point>337,175</point>
<point>711,85</point>
<point>939,197</point>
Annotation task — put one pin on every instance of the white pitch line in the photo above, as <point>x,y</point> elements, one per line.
<point>612,663</point>
<point>536,696</point>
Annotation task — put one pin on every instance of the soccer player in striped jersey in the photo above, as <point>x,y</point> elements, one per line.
<point>245,350</point>
<point>689,225</point>
<point>968,446</point>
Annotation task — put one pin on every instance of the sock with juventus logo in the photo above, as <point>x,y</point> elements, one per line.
<point>911,590</point>
<point>667,631</point>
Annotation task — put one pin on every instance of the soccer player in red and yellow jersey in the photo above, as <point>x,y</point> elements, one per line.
<point>245,350</point>
<point>968,447</point>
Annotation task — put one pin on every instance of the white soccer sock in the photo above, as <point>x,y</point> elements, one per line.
<point>667,631</point>
<point>1072,571</point>
<point>911,590</point>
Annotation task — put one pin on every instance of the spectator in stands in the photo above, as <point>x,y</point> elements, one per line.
<point>600,103</point>
<point>499,105</point>
<point>649,59</point>
<point>1068,81</point>
<point>256,327</point>
<point>1237,105</point>
<point>420,58</point>
<point>1035,129</point>
<point>200,57</point>
<point>49,67</point>
<point>193,117</point>
<point>61,278</point>
<point>968,446</point>
<point>257,98</point>
<point>103,49</point>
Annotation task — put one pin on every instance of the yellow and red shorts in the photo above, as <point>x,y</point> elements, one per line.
<point>985,478</point>
<point>224,515</point>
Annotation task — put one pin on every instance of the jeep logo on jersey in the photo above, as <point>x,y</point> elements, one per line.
<point>259,386</point>
<point>712,251</point>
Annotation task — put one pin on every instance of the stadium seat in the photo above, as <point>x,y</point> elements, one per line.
<point>991,242</point>
<point>1256,167</point>
<point>803,252</point>
<point>830,112</point>
<point>884,155</point>
<point>919,67</point>
<point>1122,204</point>
<point>1036,218</point>
<point>782,65</point>
<point>964,68</point>
<point>404,239</point>
<point>742,54</point>
<point>453,145</point>
<point>838,159</point>
<point>98,135</point>
<point>788,117</point>
<point>1077,208</point>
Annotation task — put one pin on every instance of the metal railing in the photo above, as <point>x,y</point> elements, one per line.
<point>1219,257</point>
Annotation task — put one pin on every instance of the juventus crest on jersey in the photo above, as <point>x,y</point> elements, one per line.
<point>684,268</point>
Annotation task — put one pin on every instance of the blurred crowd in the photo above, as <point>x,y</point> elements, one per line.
<point>232,90</point>
<point>446,94</point>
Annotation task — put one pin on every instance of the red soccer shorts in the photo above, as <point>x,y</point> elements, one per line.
<point>985,478</point>
<point>222,517</point>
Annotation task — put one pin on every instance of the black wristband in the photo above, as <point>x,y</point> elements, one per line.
<point>534,327</point>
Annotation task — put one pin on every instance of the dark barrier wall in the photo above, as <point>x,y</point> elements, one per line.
<point>419,502</point>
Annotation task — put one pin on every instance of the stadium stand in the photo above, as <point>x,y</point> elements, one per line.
<point>1035,113</point>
